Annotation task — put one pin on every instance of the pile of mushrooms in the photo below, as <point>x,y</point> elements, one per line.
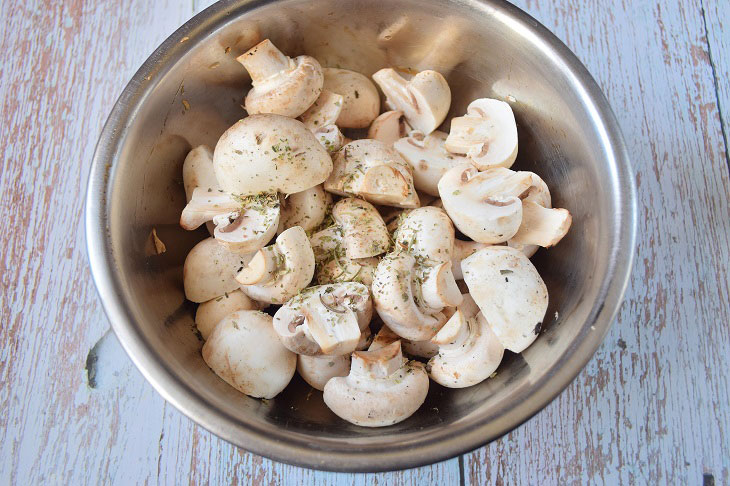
<point>366,265</point>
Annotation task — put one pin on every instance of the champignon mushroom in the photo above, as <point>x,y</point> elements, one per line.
<point>332,264</point>
<point>510,293</point>
<point>463,249</point>
<point>389,127</point>
<point>198,172</point>
<point>485,206</point>
<point>410,298</point>
<point>244,224</point>
<point>306,209</point>
<point>382,388</point>
<point>487,134</point>
<point>468,351</point>
<point>319,369</point>
<point>210,270</point>
<point>278,272</point>
<point>281,85</point>
<point>326,319</point>
<point>269,153</point>
<point>361,100</point>
<point>428,159</point>
<point>370,169</point>
<point>363,231</point>
<point>427,234</point>
<point>320,119</point>
<point>246,353</point>
<point>424,99</point>
<point>210,313</point>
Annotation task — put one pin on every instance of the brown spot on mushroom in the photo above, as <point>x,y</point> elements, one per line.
<point>296,322</point>
<point>494,202</point>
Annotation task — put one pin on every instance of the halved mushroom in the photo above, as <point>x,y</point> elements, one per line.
<point>361,100</point>
<point>427,234</point>
<point>210,313</point>
<point>198,172</point>
<point>363,231</point>
<point>424,99</point>
<point>389,127</point>
<point>383,388</point>
<point>210,270</point>
<point>410,298</point>
<point>278,272</point>
<point>246,353</point>
<point>269,153</point>
<point>463,249</point>
<point>319,369</point>
<point>370,169</point>
<point>281,85</point>
<point>306,209</point>
<point>485,206</point>
<point>332,264</point>
<point>428,158</point>
<point>510,293</point>
<point>243,224</point>
<point>468,350</point>
<point>487,134</point>
<point>320,119</point>
<point>326,319</point>
<point>384,337</point>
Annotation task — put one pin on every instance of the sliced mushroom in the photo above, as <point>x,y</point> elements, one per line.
<point>281,85</point>
<point>424,99</point>
<point>463,249</point>
<point>269,153</point>
<point>420,349</point>
<point>427,234</point>
<point>382,388</point>
<point>370,169</point>
<point>198,172</point>
<point>319,369</point>
<point>306,209</point>
<point>428,159</point>
<point>510,293</point>
<point>410,298</point>
<point>542,226</point>
<point>278,272</point>
<point>244,224</point>
<point>485,206</point>
<point>332,264</point>
<point>326,319</point>
<point>389,127</point>
<point>245,352</point>
<point>320,119</point>
<point>361,100</point>
<point>210,313</point>
<point>363,231</point>
<point>210,270</point>
<point>487,134</point>
<point>468,351</point>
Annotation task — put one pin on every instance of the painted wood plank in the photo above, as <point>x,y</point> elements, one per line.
<point>650,406</point>
<point>716,12</point>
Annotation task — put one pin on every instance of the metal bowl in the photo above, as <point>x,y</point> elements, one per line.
<point>190,90</point>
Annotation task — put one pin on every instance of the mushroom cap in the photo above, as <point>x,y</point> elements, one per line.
<point>363,231</point>
<point>306,209</point>
<point>269,153</point>
<point>510,293</point>
<point>463,249</point>
<point>318,370</point>
<point>320,119</point>
<point>278,272</point>
<point>388,127</point>
<point>332,264</point>
<point>487,134</point>
<point>426,233</point>
<point>325,319</point>
<point>424,99</point>
<point>367,398</point>
<point>396,285</point>
<point>374,171</point>
<point>245,352</point>
<point>468,350</point>
<point>281,85</point>
<point>361,103</point>
<point>428,158</point>
<point>210,270</point>
<point>198,170</point>
<point>485,206</point>
<point>210,313</point>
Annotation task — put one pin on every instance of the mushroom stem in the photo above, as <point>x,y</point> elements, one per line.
<point>439,287</point>
<point>542,226</point>
<point>264,60</point>
<point>379,363</point>
<point>205,204</point>
<point>334,335</point>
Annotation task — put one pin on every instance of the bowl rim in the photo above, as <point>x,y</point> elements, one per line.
<point>445,444</point>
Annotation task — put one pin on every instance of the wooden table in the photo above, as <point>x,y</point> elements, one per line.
<point>651,407</point>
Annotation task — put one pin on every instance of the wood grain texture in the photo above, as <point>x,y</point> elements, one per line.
<point>649,408</point>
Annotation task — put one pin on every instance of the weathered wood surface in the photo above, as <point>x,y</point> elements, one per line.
<point>651,407</point>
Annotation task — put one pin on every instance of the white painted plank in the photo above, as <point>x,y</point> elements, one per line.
<point>716,13</point>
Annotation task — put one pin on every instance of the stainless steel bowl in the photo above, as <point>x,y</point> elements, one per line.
<point>191,89</point>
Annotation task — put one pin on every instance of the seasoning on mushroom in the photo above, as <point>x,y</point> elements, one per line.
<point>332,264</point>
<point>363,231</point>
<point>307,209</point>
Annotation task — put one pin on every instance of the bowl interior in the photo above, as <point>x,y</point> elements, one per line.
<point>192,89</point>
